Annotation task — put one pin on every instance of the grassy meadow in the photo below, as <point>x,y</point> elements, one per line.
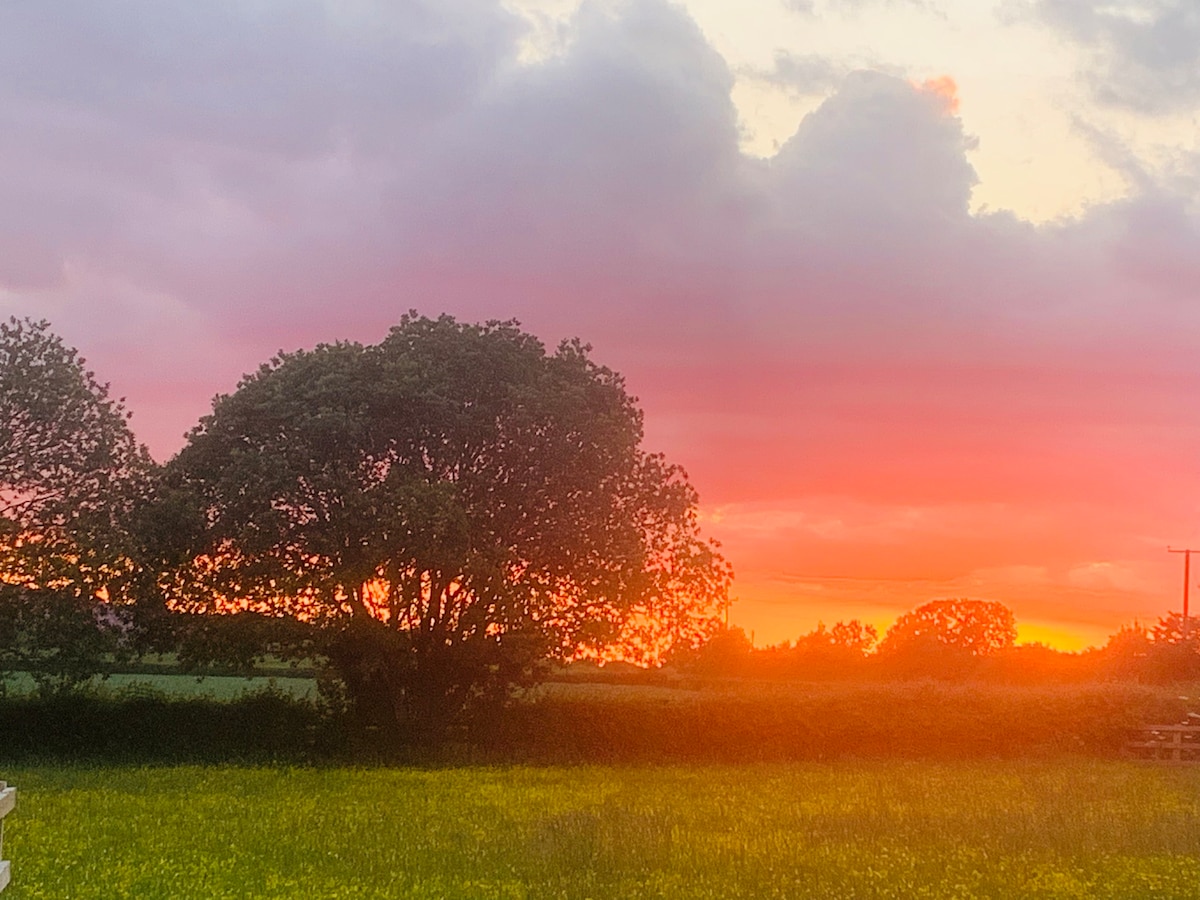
<point>721,790</point>
<point>1066,828</point>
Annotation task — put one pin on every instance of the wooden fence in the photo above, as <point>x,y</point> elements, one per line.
<point>1168,743</point>
<point>8,799</point>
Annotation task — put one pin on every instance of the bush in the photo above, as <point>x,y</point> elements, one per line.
<point>917,720</point>
<point>143,725</point>
<point>594,723</point>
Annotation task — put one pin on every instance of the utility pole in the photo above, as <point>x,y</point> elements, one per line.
<point>1187,559</point>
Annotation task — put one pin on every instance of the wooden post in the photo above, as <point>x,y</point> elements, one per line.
<point>1168,743</point>
<point>8,799</point>
<point>1187,564</point>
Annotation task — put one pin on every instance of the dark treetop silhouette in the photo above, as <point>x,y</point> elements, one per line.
<point>440,511</point>
<point>71,474</point>
<point>971,627</point>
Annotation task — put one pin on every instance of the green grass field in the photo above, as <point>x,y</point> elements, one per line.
<point>846,830</point>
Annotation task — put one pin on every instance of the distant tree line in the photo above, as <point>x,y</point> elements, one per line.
<point>953,639</point>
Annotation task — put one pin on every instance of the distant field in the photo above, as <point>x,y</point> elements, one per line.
<point>867,830</point>
<point>216,687</point>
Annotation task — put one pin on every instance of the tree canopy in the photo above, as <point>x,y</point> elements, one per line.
<point>71,473</point>
<point>441,509</point>
<point>971,627</point>
<point>68,459</point>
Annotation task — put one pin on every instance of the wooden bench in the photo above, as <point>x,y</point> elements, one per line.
<point>8,799</point>
<point>1167,743</point>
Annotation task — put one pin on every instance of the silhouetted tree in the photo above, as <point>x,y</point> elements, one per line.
<point>71,473</point>
<point>726,653</point>
<point>1124,654</point>
<point>1129,642</point>
<point>948,637</point>
<point>1169,630</point>
<point>854,637</point>
<point>442,510</point>
<point>1172,656</point>
<point>836,652</point>
<point>1035,663</point>
<point>977,627</point>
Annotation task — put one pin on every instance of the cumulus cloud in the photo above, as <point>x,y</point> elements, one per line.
<point>173,140</point>
<point>826,336</point>
<point>602,164</point>
<point>1145,54</point>
<point>878,147</point>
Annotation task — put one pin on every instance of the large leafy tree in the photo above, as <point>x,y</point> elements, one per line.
<point>947,637</point>
<point>71,473</point>
<point>439,511</point>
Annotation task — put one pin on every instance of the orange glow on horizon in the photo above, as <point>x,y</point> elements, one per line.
<point>774,611</point>
<point>882,486</point>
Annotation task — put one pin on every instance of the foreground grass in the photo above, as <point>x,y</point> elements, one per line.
<point>885,829</point>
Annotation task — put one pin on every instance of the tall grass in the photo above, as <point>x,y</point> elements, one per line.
<point>869,830</point>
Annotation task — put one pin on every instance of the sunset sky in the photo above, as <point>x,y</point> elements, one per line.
<point>910,287</point>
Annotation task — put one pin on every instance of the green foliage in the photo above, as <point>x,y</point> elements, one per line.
<point>140,723</point>
<point>764,721</point>
<point>68,463</point>
<point>59,637</point>
<point>71,473</point>
<point>124,685</point>
<point>442,510</point>
<point>589,723</point>
<point>895,830</point>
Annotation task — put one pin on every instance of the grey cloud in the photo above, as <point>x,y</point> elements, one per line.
<point>289,78</point>
<point>600,193</point>
<point>803,74</point>
<point>879,147</point>
<point>614,166</point>
<point>200,185</point>
<point>1144,54</point>
<point>171,140</point>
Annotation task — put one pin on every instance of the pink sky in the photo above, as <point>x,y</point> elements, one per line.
<point>883,397</point>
